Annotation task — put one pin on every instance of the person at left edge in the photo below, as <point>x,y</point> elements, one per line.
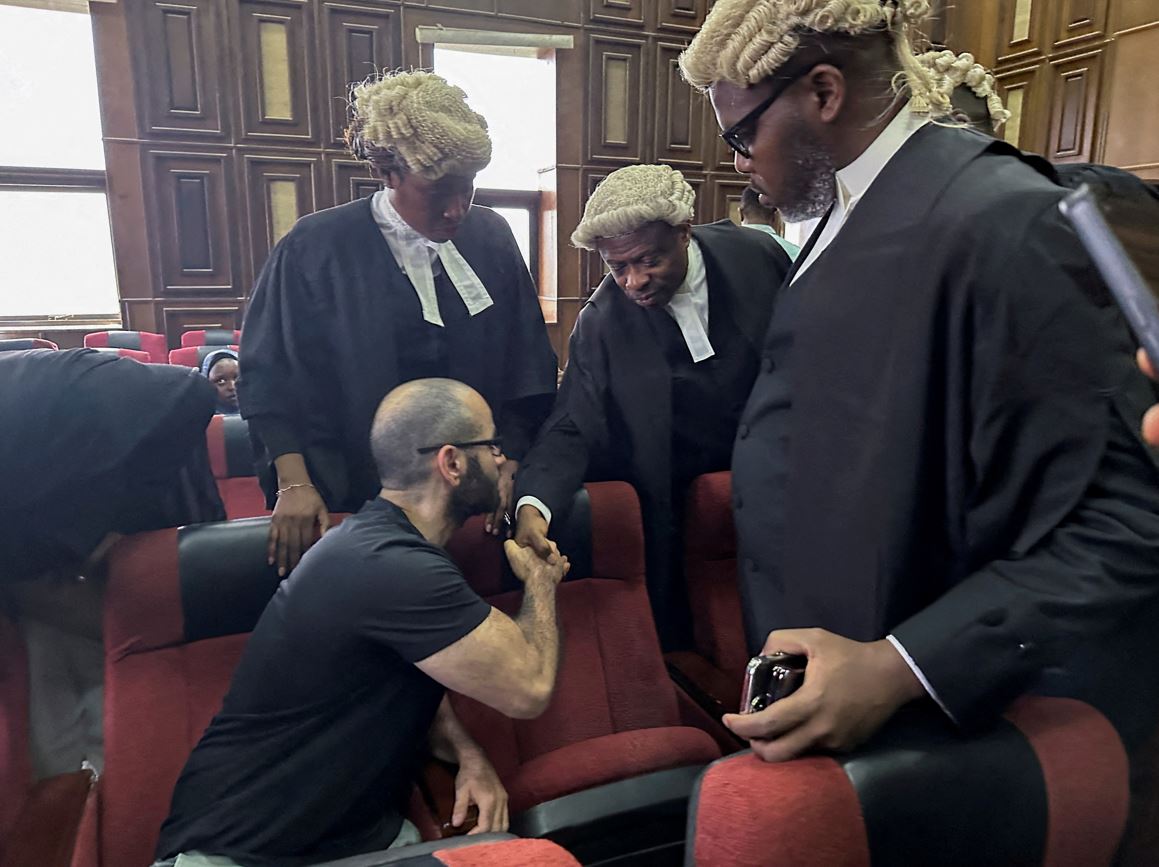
<point>412,282</point>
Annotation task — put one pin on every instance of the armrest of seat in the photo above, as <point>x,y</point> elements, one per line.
<point>1046,785</point>
<point>45,832</point>
<point>644,813</point>
<point>417,853</point>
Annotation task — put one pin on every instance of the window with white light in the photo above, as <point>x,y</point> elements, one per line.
<point>52,177</point>
<point>521,121</point>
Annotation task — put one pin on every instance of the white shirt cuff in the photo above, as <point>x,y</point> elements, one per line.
<point>918,674</point>
<point>535,502</point>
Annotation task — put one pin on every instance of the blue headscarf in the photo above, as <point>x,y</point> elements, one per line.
<point>213,357</point>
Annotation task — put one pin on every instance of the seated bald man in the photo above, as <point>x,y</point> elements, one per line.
<point>312,755</point>
<point>662,359</point>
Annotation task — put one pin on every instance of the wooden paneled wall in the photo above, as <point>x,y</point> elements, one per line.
<point>1075,75</point>
<point>224,121</point>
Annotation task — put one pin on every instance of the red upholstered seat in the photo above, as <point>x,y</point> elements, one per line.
<point>193,356</point>
<point>540,853</point>
<point>1047,785</point>
<point>714,669</point>
<point>155,345</point>
<point>15,762</point>
<point>232,463</point>
<point>161,690</point>
<point>211,337</point>
<point>20,343</point>
<point>614,714</point>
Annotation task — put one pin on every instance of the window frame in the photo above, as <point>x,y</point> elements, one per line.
<point>45,179</point>
<point>523,200</point>
<point>36,179</point>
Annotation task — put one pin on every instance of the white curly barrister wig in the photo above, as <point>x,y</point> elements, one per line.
<point>744,42</point>
<point>957,70</point>
<point>630,198</point>
<point>419,119</point>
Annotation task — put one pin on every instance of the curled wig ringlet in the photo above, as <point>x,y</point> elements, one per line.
<point>744,42</point>
<point>630,198</point>
<point>416,121</point>
<point>952,71</point>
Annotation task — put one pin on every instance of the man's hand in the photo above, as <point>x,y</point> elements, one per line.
<point>496,523</point>
<point>1151,419</point>
<point>531,532</point>
<point>851,688</point>
<point>299,520</point>
<point>528,565</point>
<point>477,783</point>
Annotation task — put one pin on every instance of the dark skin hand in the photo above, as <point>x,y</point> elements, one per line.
<point>851,689</point>
<point>1151,419</point>
<point>531,532</point>
<point>300,515</point>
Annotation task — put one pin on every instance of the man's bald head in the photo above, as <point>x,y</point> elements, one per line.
<point>420,413</point>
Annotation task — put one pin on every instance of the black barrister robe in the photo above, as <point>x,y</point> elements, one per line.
<point>614,414</point>
<point>334,325</point>
<point>957,461</point>
<point>92,444</point>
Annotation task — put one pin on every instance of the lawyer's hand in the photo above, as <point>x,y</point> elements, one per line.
<point>299,520</point>
<point>531,532</point>
<point>496,523</point>
<point>1151,419</point>
<point>851,688</point>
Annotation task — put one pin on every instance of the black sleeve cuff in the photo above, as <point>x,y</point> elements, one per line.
<point>277,435</point>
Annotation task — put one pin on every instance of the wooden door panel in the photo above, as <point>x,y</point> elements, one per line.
<point>180,62</point>
<point>275,45</point>
<point>1080,21</point>
<point>357,41</point>
<point>279,190</point>
<point>192,220</point>
<point>1074,108</point>
<point>679,113</point>
<point>616,96</point>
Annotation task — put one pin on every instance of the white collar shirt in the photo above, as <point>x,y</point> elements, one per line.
<point>689,306</point>
<point>418,257</point>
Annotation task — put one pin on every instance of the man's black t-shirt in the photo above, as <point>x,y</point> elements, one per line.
<point>313,753</point>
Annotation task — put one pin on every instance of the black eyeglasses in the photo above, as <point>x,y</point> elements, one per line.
<point>495,444</point>
<point>736,134</point>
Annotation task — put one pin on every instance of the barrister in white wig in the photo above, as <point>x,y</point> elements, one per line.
<point>942,497</point>
<point>662,359</point>
<point>413,282</point>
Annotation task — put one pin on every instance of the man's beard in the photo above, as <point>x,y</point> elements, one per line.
<point>811,184</point>
<point>477,495</point>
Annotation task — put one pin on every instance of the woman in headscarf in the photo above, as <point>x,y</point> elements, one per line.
<point>220,367</point>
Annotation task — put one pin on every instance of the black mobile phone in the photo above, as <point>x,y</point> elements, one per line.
<point>1123,240</point>
<point>770,678</point>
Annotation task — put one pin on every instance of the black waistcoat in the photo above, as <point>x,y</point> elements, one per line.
<point>431,350</point>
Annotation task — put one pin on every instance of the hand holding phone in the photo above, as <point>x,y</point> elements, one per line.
<point>770,678</point>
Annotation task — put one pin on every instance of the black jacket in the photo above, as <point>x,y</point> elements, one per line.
<point>965,470</point>
<point>613,416</point>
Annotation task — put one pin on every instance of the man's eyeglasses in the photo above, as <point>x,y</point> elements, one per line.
<point>495,444</point>
<point>736,135</point>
